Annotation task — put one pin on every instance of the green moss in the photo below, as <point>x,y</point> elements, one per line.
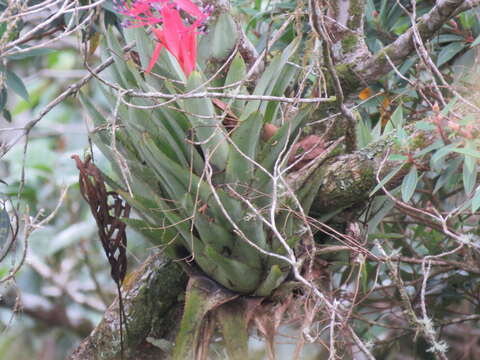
<point>348,79</point>
<point>381,58</point>
<point>356,13</point>
<point>349,42</point>
<point>418,141</point>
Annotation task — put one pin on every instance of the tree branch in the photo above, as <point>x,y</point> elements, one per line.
<point>377,65</point>
<point>49,313</point>
<point>153,310</point>
<point>348,179</point>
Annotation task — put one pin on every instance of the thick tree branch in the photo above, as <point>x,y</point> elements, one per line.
<point>348,179</point>
<point>345,22</point>
<point>153,310</point>
<point>377,65</point>
<point>39,308</point>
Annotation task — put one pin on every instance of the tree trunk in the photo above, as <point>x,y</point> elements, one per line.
<point>151,297</point>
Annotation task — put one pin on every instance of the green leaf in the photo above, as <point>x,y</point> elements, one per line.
<point>382,206</point>
<point>278,89</point>
<point>436,145</point>
<point>274,278</point>
<point>364,276</point>
<point>448,175</point>
<point>3,97</point>
<point>123,72</point>
<point>386,179</point>
<point>476,201</point>
<point>476,41</point>
<point>364,133</point>
<point>468,151</point>
<point>245,137</point>
<point>397,118</point>
<point>409,184</point>
<point>424,125</point>
<point>441,153</point>
<point>4,227</point>
<point>447,38</point>
<point>237,276</point>
<point>155,235</point>
<point>449,106</point>
<point>469,177</point>
<point>448,52</point>
<point>7,115</point>
<point>397,157</point>
<point>270,76</point>
<point>219,41</point>
<point>470,160</point>
<point>208,128</point>
<point>16,84</point>
<point>236,73</point>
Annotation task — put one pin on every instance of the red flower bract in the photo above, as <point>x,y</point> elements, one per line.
<point>168,27</point>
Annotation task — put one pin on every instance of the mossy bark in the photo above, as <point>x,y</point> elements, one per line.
<point>349,179</point>
<point>153,306</point>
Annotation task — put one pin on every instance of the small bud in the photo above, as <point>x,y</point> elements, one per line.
<point>268,131</point>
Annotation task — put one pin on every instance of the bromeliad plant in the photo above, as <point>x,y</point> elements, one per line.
<point>205,190</point>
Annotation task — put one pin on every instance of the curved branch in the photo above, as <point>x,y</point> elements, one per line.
<point>377,65</point>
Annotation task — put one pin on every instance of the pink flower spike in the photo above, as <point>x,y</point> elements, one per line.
<point>155,55</point>
<point>190,7</point>
<point>163,16</point>
<point>173,30</point>
<point>189,52</point>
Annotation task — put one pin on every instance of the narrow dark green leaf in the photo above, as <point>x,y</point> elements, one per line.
<point>16,84</point>
<point>469,176</point>
<point>208,127</point>
<point>3,97</point>
<point>409,184</point>
<point>7,115</point>
<point>468,151</point>
<point>386,179</point>
<point>448,52</point>
<point>4,226</point>
<point>246,137</point>
<point>476,201</point>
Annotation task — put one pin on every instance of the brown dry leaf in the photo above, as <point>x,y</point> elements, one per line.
<point>306,150</point>
<point>385,112</point>
<point>93,44</point>
<point>231,120</point>
<point>268,319</point>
